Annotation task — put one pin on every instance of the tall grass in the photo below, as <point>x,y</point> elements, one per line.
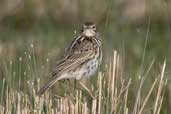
<point>108,94</point>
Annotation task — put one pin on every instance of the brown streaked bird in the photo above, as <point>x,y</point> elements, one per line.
<point>81,59</point>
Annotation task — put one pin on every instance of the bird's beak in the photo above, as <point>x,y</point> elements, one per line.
<point>89,33</point>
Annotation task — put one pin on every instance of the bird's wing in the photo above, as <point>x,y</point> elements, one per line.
<point>63,66</point>
<point>72,62</point>
<point>78,53</point>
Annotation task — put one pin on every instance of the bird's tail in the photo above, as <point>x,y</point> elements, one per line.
<point>47,85</point>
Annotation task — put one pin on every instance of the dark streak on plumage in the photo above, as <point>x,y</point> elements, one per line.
<point>81,50</point>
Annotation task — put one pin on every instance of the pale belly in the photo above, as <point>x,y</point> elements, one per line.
<point>85,71</point>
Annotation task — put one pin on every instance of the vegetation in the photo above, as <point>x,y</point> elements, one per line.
<point>134,79</point>
<point>109,93</point>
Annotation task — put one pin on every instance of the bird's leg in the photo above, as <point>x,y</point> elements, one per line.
<point>75,84</point>
<point>75,87</point>
<point>69,87</point>
<point>65,86</point>
<point>64,83</point>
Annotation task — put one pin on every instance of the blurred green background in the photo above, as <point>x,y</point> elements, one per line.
<point>140,30</point>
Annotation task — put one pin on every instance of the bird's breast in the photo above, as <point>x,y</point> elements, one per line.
<point>85,70</point>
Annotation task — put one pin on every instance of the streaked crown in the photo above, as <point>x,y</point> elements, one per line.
<point>89,29</point>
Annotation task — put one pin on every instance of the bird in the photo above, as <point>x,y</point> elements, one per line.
<point>81,58</point>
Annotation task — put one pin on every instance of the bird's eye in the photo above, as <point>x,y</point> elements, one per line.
<point>94,27</point>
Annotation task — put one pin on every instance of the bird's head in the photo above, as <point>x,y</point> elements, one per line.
<point>89,29</point>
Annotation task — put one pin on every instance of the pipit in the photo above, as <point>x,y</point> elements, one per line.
<point>81,59</point>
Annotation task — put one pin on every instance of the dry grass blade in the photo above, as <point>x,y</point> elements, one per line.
<point>111,92</point>
<point>147,97</point>
<point>135,110</point>
<point>159,88</point>
<point>100,93</point>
